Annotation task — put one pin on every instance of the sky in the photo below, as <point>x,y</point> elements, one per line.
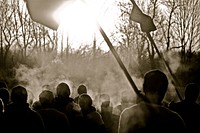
<point>78,21</point>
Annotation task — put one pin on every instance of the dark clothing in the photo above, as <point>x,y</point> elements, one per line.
<point>190,112</point>
<point>93,121</point>
<point>145,117</point>
<point>55,121</point>
<point>19,118</point>
<point>76,99</point>
<point>66,105</point>
<point>107,116</point>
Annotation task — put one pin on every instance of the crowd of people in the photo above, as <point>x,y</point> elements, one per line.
<point>60,113</point>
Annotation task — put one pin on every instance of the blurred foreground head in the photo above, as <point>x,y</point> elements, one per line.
<point>19,95</point>
<point>155,85</point>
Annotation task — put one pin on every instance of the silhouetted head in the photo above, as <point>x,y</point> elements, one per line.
<point>82,89</point>
<point>36,106</point>
<point>191,92</point>
<point>46,98</point>
<point>105,99</point>
<point>3,84</point>
<point>1,106</point>
<point>155,85</point>
<point>19,95</point>
<point>85,101</point>
<point>63,90</point>
<point>4,95</point>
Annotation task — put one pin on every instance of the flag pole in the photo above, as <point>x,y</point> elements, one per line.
<point>147,25</point>
<point>176,82</point>
<point>138,92</point>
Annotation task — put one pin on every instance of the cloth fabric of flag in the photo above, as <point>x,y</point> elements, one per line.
<point>42,11</point>
<point>145,21</point>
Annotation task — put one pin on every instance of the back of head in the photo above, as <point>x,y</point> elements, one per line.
<point>19,95</point>
<point>1,106</point>
<point>191,92</point>
<point>36,106</point>
<point>82,89</point>
<point>4,95</point>
<point>3,84</point>
<point>85,101</point>
<point>155,84</point>
<point>105,99</point>
<point>46,98</point>
<point>63,90</point>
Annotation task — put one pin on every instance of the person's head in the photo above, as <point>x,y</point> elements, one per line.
<point>84,101</point>
<point>36,106</point>
<point>105,99</point>
<point>82,89</point>
<point>63,90</point>
<point>191,92</point>
<point>155,85</point>
<point>19,95</point>
<point>4,95</point>
<point>1,106</point>
<point>46,98</point>
<point>3,84</point>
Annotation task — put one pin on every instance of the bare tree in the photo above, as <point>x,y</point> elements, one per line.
<point>186,29</point>
<point>8,28</point>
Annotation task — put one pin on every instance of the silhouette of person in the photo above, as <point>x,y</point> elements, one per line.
<point>36,106</point>
<point>3,84</point>
<point>188,108</point>
<point>93,119</point>
<point>54,120</point>
<point>18,115</point>
<point>151,116</point>
<point>81,89</point>
<point>1,107</point>
<point>2,121</point>
<point>127,100</point>
<point>106,112</point>
<point>66,104</point>
<point>4,94</point>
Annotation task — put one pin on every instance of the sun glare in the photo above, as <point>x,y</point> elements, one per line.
<point>78,20</point>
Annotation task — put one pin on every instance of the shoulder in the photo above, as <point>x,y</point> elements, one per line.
<point>95,117</point>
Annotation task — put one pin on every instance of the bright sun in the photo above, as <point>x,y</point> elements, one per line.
<point>78,20</point>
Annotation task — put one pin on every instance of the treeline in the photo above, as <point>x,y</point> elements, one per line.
<point>26,45</point>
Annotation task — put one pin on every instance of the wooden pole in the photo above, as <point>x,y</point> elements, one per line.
<point>121,63</point>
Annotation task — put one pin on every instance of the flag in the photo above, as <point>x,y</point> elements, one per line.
<point>41,11</point>
<point>145,21</point>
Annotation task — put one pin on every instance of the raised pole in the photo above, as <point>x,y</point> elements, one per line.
<point>121,63</point>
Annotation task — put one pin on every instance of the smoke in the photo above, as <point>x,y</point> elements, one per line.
<point>173,60</point>
<point>100,75</point>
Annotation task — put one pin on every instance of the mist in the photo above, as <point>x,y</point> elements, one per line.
<point>101,75</point>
